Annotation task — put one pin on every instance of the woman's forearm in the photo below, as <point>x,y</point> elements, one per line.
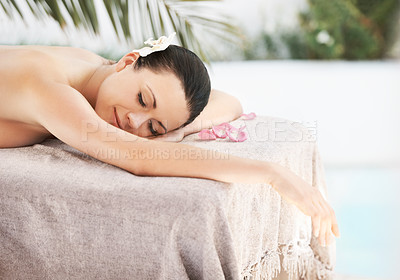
<point>155,158</point>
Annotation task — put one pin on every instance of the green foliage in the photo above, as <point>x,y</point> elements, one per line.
<point>345,29</point>
<point>136,21</point>
<point>383,14</point>
<point>333,29</point>
<point>271,46</point>
<point>264,46</point>
<point>336,29</point>
<point>296,45</point>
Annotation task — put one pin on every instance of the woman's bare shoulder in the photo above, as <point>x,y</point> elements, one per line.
<point>28,75</point>
<point>57,51</point>
<point>26,70</point>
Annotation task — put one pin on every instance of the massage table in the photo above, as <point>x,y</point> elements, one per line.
<point>66,215</point>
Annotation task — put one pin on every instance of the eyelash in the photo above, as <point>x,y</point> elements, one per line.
<point>141,100</point>
<point>150,126</point>
<point>151,129</point>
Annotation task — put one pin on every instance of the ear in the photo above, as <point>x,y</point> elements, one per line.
<point>126,60</point>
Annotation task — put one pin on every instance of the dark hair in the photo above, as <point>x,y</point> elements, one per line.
<point>188,68</point>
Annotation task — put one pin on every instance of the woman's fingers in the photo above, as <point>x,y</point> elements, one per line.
<point>322,233</point>
<point>328,223</point>
<point>328,235</point>
<point>335,226</point>
<point>335,230</point>
<point>309,200</point>
<point>316,225</point>
<point>316,219</point>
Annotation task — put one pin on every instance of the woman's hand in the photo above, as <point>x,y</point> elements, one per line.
<point>308,199</point>
<point>173,136</point>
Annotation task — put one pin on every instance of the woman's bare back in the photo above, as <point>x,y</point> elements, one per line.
<point>21,69</point>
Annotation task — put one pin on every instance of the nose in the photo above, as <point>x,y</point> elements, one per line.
<point>135,120</point>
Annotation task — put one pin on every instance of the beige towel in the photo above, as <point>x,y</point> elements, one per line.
<point>65,215</point>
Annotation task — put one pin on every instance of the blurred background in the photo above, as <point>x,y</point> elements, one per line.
<point>332,65</point>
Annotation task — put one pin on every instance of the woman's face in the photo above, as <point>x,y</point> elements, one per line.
<point>142,102</point>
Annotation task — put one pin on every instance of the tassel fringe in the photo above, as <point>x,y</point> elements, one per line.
<point>298,262</point>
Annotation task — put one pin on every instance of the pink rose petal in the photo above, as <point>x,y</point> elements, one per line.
<point>242,136</point>
<point>229,127</point>
<point>206,134</point>
<point>219,131</point>
<point>239,136</point>
<point>224,130</point>
<point>250,116</point>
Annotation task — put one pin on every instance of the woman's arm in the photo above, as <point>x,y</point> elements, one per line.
<point>221,107</point>
<point>66,114</point>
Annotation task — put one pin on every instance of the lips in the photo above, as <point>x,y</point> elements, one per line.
<point>117,120</point>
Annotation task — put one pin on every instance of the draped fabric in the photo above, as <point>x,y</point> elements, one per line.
<point>66,215</point>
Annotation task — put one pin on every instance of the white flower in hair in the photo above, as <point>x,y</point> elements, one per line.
<point>156,45</point>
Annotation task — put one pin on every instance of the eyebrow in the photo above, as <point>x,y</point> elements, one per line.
<point>155,106</point>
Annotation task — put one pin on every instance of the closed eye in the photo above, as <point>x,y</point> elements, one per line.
<point>140,98</point>
<point>150,125</point>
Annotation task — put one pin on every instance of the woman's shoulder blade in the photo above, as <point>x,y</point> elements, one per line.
<point>26,72</point>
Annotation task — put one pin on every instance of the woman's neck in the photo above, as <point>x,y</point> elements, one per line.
<point>89,85</point>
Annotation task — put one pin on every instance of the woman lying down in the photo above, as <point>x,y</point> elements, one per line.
<point>141,102</point>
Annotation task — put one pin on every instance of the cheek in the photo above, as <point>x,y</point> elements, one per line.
<point>119,95</point>
<point>143,130</point>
